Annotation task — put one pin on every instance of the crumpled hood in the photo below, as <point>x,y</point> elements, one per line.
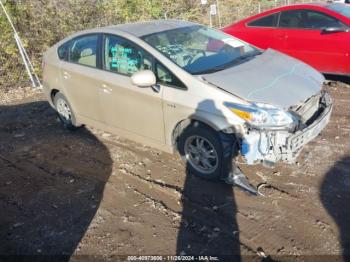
<point>272,78</point>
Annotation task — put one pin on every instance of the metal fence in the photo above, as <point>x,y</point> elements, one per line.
<point>13,72</point>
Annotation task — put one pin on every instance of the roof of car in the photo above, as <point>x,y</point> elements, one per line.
<point>320,4</point>
<point>315,3</point>
<point>292,6</point>
<point>150,27</point>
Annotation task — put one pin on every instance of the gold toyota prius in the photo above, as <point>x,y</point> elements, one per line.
<point>181,86</point>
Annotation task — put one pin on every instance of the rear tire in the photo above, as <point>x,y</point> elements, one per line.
<point>65,112</point>
<point>201,149</point>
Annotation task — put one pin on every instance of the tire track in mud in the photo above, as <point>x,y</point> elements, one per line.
<point>249,226</point>
<point>201,226</point>
<point>169,197</point>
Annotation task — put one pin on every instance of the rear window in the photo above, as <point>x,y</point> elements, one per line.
<point>340,9</point>
<point>291,19</point>
<point>267,21</point>
<point>83,50</point>
<point>63,51</point>
<point>307,19</point>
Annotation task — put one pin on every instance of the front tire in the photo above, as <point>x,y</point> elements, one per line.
<point>200,147</point>
<point>65,112</point>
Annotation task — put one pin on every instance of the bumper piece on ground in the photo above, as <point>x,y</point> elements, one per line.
<point>237,178</point>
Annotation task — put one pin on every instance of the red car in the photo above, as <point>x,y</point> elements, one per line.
<point>318,34</point>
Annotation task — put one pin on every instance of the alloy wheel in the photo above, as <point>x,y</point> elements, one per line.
<point>201,154</point>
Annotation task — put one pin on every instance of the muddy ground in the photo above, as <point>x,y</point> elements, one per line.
<point>92,193</point>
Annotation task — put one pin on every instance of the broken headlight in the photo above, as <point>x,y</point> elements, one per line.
<point>263,115</point>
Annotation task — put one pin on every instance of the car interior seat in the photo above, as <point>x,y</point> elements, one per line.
<point>290,20</point>
<point>87,57</point>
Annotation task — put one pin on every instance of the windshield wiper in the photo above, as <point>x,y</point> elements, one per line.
<point>234,62</point>
<point>208,71</point>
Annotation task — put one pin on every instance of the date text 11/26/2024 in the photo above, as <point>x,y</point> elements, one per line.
<point>173,258</point>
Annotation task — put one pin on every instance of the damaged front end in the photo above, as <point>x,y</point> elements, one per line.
<point>269,145</point>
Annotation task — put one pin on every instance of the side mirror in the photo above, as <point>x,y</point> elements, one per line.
<point>335,29</point>
<point>144,78</point>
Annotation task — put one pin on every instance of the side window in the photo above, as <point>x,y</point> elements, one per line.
<point>165,77</point>
<point>63,51</point>
<point>317,20</point>
<point>291,19</point>
<point>267,21</point>
<point>124,57</point>
<point>83,50</point>
<point>307,19</point>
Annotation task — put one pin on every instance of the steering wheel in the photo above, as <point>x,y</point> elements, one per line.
<point>199,54</point>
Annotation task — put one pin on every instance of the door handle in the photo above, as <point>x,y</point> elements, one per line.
<point>66,75</point>
<point>282,36</point>
<point>106,89</point>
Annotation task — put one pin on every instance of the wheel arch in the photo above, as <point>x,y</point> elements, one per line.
<point>181,125</point>
<point>75,121</point>
<point>53,93</point>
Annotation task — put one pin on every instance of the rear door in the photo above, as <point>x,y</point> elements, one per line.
<point>301,32</point>
<point>80,76</point>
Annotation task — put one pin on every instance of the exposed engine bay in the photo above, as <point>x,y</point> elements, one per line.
<point>270,146</point>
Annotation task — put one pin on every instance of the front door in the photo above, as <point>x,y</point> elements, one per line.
<point>124,105</point>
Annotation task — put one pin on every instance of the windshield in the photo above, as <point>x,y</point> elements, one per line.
<point>200,50</point>
<point>340,9</point>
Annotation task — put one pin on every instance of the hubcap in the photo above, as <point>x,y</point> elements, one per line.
<point>201,154</point>
<point>63,109</point>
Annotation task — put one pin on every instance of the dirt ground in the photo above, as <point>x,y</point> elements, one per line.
<point>92,193</point>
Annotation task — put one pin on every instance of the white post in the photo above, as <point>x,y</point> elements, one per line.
<point>27,61</point>
<point>259,8</point>
<point>210,20</point>
<point>24,60</point>
<point>219,14</point>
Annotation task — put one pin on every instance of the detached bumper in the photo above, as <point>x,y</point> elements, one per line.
<point>270,147</point>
